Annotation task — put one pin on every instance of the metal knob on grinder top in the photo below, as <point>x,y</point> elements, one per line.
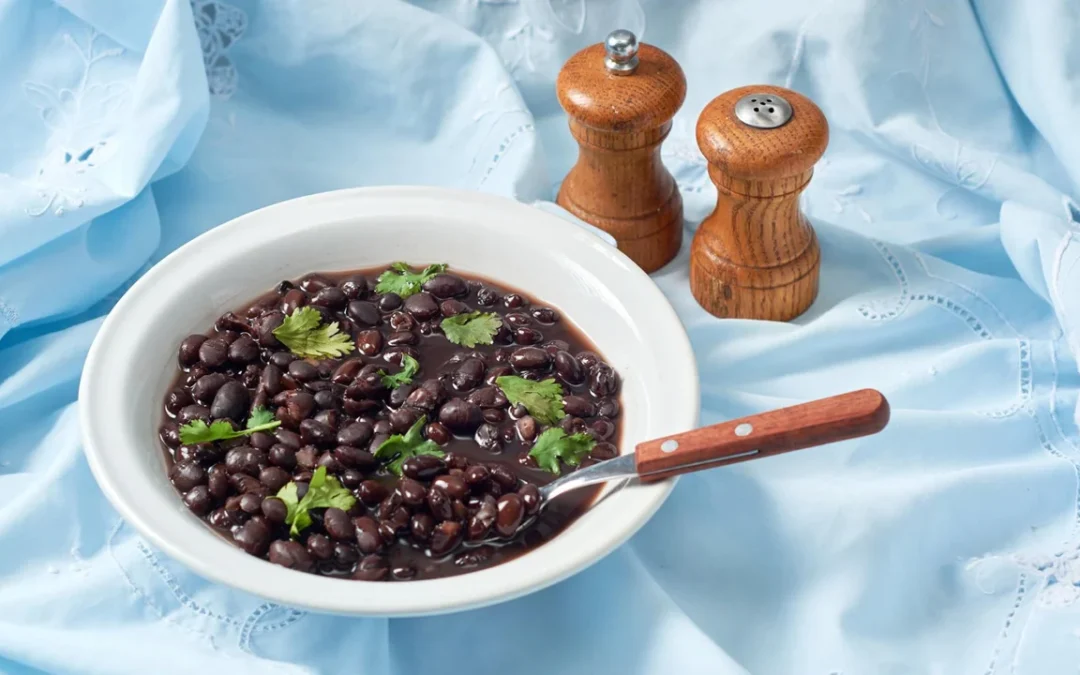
<point>620,96</point>
<point>756,256</point>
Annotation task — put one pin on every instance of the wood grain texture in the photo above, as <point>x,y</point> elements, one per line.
<point>755,256</point>
<point>619,183</point>
<point>828,420</point>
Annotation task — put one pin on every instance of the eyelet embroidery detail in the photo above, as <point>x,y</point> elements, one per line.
<point>219,25</point>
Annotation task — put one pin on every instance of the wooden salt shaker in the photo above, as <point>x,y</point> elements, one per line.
<point>756,256</point>
<point>620,97</point>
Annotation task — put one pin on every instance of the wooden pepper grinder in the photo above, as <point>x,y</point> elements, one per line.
<point>620,98</point>
<point>756,256</point>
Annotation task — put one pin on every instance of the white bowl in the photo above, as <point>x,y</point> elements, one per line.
<point>132,361</point>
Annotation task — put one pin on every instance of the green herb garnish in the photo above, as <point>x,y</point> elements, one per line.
<point>323,492</point>
<point>471,328</point>
<point>197,431</point>
<point>302,333</point>
<point>554,444</point>
<point>542,399</point>
<point>398,448</point>
<point>409,368</point>
<point>402,280</point>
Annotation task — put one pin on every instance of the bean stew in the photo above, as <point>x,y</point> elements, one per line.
<point>387,424</point>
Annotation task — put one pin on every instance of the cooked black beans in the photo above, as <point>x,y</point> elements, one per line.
<point>440,515</point>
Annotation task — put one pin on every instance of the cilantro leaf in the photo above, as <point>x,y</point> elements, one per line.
<point>260,416</point>
<point>409,368</point>
<point>471,328</point>
<point>543,399</point>
<point>397,449</point>
<point>402,280</point>
<point>323,492</point>
<point>302,333</point>
<point>554,444</point>
<point>197,431</point>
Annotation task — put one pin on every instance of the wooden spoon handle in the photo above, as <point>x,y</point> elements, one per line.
<point>837,418</point>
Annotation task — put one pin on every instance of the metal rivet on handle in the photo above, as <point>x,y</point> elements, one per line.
<point>670,445</point>
<point>621,47</point>
<point>744,429</point>
<point>763,111</point>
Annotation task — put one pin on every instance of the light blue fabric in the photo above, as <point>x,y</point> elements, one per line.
<point>950,544</point>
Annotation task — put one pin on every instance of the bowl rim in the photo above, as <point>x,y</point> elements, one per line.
<point>347,597</point>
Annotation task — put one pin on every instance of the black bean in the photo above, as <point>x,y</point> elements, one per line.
<point>568,369</point>
<point>578,406</point>
<point>363,313</point>
<point>282,359</point>
<point>250,375</point>
<point>298,405</point>
<point>452,307</point>
<point>421,525</point>
<point>421,399</point>
<point>319,546</point>
<point>325,400</point>
<point>602,429</point>
<point>481,522</point>
<point>338,525</point>
<point>330,297</point>
<point>371,492</point>
<point>388,506</point>
<point>494,416</point>
<point>454,486</point>
<point>200,453</point>
<point>422,306</point>
<point>604,450</point>
<point>290,554</point>
<point>243,350</point>
<point>411,491</point>
<point>517,411</point>
<point>207,386</point>
<point>488,435</point>
<point>368,539</point>
<point>603,381</point>
<point>270,381</point>
<point>351,478</point>
<point>346,373</point>
<point>302,371</point>
<point>514,301</point>
<point>495,372</point>
<point>573,425</point>
<point>368,383</point>
<point>355,286</point>
<point>439,504</point>
<point>314,432</point>
<point>476,476</point>
<point>489,396</point>
<point>486,297</point>
<point>283,456</point>
<point>608,407</point>
<point>253,536</point>
<point>587,358</point>
<point>244,459</point>
<point>188,354</point>
<point>307,458</point>
<point>292,300</point>
<point>177,399</point>
<point>194,373</point>
<point>169,433</point>
<point>389,302</point>
<point>371,568</point>
<point>250,503</point>
<point>527,428</point>
<point>529,358</point>
<point>353,457</point>
<point>274,478</point>
<point>403,572</point>
<point>527,336</point>
<point>328,460</point>
<point>198,500</point>
<point>356,434</point>
<point>369,342</point>
<point>345,555</point>
<point>423,467</point>
<point>218,482</point>
<point>445,538</point>
<point>230,402</point>
<point>402,337</point>
<point>274,510</point>
<point>530,498</point>
<point>511,510</point>
<point>446,286</point>
<point>545,315</point>
<point>517,319</point>
<point>504,477</point>
<point>214,352</point>
<point>460,416</point>
<point>186,475</point>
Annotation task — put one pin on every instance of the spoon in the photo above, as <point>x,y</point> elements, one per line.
<point>827,420</point>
